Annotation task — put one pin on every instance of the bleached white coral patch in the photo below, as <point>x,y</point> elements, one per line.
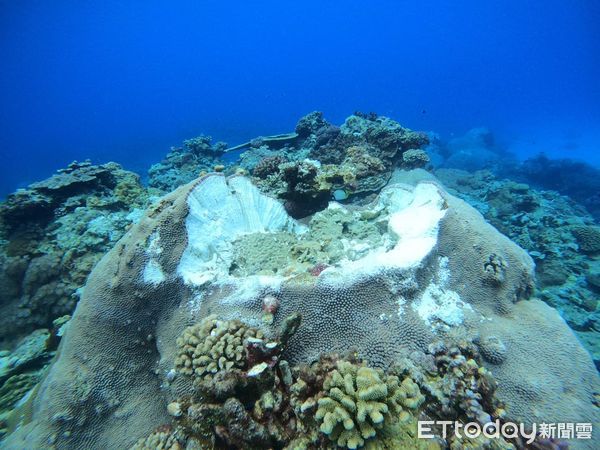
<point>416,225</point>
<point>413,225</point>
<point>154,249</point>
<point>195,303</point>
<point>220,210</point>
<point>401,302</point>
<point>249,288</point>
<point>153,274</point>
<point>438,307</point>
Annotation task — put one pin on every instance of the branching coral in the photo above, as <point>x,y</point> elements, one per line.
<point>163,438</point>
<point>456,385</point>
<point>359,400</point>
<point>211,346</point>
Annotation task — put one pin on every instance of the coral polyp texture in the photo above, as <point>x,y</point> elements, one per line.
<point>412,267</point>
<point>213,345</point>
<point>360,400</point>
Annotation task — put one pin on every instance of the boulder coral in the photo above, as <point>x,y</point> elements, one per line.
<point>424,281</point>
<point>545,224</point>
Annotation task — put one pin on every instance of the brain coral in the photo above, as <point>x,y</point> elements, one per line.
<point>588,238</point>
<point>427,279</point>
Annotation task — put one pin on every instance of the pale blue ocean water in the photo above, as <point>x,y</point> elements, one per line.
<point>124,81</point>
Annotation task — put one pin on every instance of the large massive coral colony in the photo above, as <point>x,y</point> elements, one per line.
<point>247,396</point>
<point>236,386</point>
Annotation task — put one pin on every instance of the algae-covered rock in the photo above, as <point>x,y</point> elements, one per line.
<point>356,159</point>
<point>55,232</point>
<point>183,164</point>
<point>262,253</point>
<point>15,388</point>
<point>415,158</point>
<point>31,351</point>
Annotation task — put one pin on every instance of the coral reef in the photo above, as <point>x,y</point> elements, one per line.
<point>212,346</point>
<point>457,388</point>
<point>557,233</point>
<point>588,238</point>
<point>54,233</point>
<point>162,439</point>
<point>238,399</point>
<point>427,278</point>
<point>578,180</point>
<point>184,164</point>
<point>475,150</point>
<point>22,368</point>
<point>413,159</point>
<point>290,408</point>
<point>462,387</point>
<point>359,400</point>
<point>356,159</point>
<point>108,185</point>
<point>304,168</point>
<point>333,234</point>
<point>214,321</point>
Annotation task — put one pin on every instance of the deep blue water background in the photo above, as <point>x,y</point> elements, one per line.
<point>125,80</point>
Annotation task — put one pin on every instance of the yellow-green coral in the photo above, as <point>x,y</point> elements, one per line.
<point>359,401</point>
<point>211,346</point>
<point>401,434</point>
<point>162,439</point>
<point>130,192</point>
<point>15,388</point>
